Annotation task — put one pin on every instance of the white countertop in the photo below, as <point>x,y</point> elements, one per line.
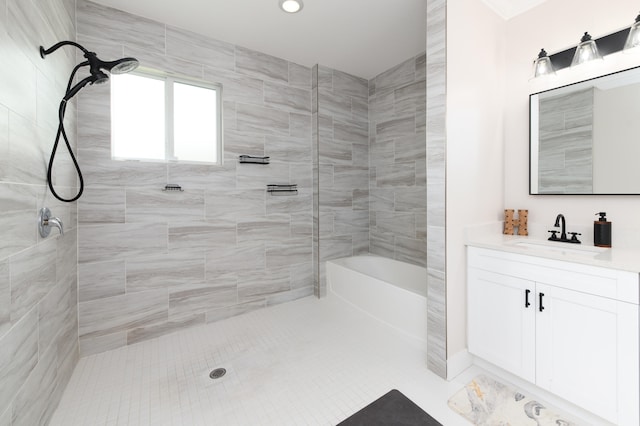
<point>612,258</point>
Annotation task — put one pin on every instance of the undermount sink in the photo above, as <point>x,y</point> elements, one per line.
<point>565,248</point>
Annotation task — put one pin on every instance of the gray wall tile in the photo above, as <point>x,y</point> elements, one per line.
<point>101,279</point>
<point>261,65</point>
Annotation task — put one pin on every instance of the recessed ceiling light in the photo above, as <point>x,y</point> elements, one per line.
<point>291,6</point>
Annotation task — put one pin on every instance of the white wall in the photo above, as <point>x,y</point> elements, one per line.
<point>475,91</point>
<point>557,25</point>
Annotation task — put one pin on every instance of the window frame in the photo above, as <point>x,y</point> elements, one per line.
<point>169,108</point>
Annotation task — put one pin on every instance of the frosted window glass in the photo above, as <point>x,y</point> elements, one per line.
<point>137,117</point>
<point>194,123</point>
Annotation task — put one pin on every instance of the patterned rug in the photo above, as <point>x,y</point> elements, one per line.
<point>487,402</point>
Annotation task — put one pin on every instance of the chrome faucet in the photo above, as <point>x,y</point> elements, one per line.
<point>46,221</point>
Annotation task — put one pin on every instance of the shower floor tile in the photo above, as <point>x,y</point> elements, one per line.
<point>307,362</point>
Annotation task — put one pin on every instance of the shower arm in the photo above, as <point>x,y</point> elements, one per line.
<point>44,52</point>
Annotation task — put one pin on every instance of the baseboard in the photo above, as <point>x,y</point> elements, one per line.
<point>457,363</point>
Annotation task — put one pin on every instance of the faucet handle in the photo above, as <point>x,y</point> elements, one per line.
<point>575,239</point>
<point>553,236</point>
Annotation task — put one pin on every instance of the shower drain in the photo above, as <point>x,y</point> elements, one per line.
<point>217,373</point>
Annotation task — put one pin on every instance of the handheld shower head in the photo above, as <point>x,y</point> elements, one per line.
<point>98,70</point>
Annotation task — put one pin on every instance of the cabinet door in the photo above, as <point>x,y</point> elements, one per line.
<point>576,351</point>
<point>501,329</point>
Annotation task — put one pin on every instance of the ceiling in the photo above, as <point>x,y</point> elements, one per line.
<point>510,8</point>
<point>361,37</point>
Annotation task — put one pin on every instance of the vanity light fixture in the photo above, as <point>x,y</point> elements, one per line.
<point>586,51</point>
<point>542,65</point>
<point>291,6</point>
<point>633,39</point>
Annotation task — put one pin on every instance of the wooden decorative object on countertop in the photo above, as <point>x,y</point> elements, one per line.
<point>521,222</point>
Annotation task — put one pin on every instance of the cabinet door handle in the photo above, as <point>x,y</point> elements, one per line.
<point>540,306</point>
<point>526,298</point>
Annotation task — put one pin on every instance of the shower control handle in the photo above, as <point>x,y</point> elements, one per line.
<point>46,221</point>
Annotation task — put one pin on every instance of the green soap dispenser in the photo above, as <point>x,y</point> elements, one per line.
<point>602,231</point>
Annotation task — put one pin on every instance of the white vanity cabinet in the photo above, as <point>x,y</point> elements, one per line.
<point>572,329</point>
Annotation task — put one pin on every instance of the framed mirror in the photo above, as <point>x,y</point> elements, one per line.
<point>584,138</point>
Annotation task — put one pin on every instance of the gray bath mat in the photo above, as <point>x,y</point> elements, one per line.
<point>487,402</point>
<point>392,409</point>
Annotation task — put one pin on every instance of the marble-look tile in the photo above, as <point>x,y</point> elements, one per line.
<point>33,275</point>
<point>436,322</point>
<point>154,205</point>
<point>90,345</point>
<point>241,143</point>
<point>258,176</point>
<point>302,224</point>
<point>268,121</point>
<point>256,285</point>
<point>120,173</point>
<point>220,293</point>
<point>395,128</point>
<point>261,65</point>
<point>335,247</point>
<point>301,275</point>
<point>98,243</point>
<point>17,82</point>
<point>18,205</point>
<point>286,98</point>
<point>272,228</point>
<point>382,199</point>
<point>287,205</point>
<point>162,271</point>
<point>421,67</point>
<point>301,174</point>
<point>236,87</point>
<point>350,85</point>
<point>410,147</point>
<point>5,298</point>
<point>411,199</point>
<point>361,199</point>
<point>4,143</point>
<point>299,76</point>
<point>98,21</point>
<point>360,243</point>
<point>232,311</point>
<point>335,152</point>
<point>300,125</point>
<point>141,334</point>
<point>288,252</point>
<point>102,205</point>
<point>51,316</point>
<point>336,105</point>
<point>360,155</point>
<point>249,255</point>
<point>396,223</point>
<point>201,176</point>
<point>288,296</point>
<point>281,148</point>
<point>397,76</point>
<point>382,152</point>
<point>5,418</point>
<point>121,313</point>
<point>187,66</point>
<point>408,98</point>
<point>325,78</point>
<point>100,280</point>
<point>382,245</point>
<point>411,250</point>
<point>336,198</point>
<point>233,205</point>
<point>188,45</point>
<point>350,177</point>
<point>421,226</point>
<point>349,222</point>
<point>395,175</point>
<point>18,356</point>
<point>229,115</point>
<point>201,235</point>
<point>354,131</point>
<point>436,248</point>
<point>28,161</point>
<point>38,397</point>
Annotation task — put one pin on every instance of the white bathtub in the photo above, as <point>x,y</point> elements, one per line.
<point>393,292</point>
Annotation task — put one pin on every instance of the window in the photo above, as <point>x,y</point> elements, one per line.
<point>165,118</point>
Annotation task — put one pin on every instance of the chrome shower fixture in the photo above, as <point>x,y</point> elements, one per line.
<point>99,71</point>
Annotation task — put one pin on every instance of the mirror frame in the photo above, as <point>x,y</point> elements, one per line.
<point>531,141</point>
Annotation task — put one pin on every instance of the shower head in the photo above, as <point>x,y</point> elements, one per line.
<point>97,67</point>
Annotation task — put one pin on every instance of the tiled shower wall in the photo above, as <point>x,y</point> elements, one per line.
<point>343,166</point>
<point>38,277</point>
<point>151,261</point>
<point>397,159</point>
